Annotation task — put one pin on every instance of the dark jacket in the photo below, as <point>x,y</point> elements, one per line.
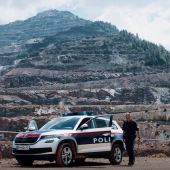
<point>129,129</point>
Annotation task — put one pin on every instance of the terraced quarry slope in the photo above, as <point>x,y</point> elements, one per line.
<point>57,57</point>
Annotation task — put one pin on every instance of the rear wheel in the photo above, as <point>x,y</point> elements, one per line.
<point>65,155</point>
<point>23,162</point>
<point>116,155</point>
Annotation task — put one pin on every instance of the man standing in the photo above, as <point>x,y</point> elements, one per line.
<point>130,130</point>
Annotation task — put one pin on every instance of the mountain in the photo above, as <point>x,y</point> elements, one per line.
<point>56,57</point>
<point>44,24</point>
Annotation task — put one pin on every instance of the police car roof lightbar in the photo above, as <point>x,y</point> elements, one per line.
<point>87,113</point>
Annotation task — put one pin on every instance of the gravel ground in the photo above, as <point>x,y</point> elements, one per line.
<point>146,163</point>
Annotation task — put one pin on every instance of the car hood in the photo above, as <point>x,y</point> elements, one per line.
<point>56,132</point>
<point>45,132</point>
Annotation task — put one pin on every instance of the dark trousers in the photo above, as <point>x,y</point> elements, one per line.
<point>130,149</point>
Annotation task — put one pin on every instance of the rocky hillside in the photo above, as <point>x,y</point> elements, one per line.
<point>45,24</point>
<point>57,57</point>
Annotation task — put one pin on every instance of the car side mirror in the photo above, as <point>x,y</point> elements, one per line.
<point>32,125</point>
<point>32,128</point>
<point>84,126</point>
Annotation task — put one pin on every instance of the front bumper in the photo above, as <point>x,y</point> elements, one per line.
<point>32,151</point>
<point>47,157</point>
<point>41,147</point>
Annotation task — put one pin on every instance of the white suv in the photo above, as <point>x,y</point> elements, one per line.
<point>70,139</point>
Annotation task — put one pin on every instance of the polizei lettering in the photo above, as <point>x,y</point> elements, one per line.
<point>101,140</point>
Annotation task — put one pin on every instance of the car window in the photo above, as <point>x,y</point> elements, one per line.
<point>102,122</point>
<point>114,126</point>
<point>90,124</point>
<point>83,122</point>
<point>61,123</point>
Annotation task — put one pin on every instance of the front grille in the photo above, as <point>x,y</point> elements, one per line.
<point>26,139</point>
<point>32,151</point>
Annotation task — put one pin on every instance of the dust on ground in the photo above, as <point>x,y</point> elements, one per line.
<point>146,163</point>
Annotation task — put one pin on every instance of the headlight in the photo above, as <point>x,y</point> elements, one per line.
<point>49,137</point>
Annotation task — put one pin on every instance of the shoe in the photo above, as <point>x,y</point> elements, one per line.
<point>130,164</point>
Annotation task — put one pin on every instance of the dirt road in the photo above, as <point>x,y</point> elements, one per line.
<point>144,163</point>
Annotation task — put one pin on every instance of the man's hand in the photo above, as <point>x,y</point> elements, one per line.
<point>138,135</point>
<point>139,141</point>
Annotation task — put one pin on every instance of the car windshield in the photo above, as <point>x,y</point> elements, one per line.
<point>61,123</point>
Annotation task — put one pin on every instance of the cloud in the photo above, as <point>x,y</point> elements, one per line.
<point>151,22</point>
<point>12,10</point>
<point>149,18</point>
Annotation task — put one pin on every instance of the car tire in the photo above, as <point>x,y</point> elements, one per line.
<point>23,162</point>
<point>65,155</point>
<point>116,155</point>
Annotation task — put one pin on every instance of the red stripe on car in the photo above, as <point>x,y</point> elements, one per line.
<point>89,133</point>
<point>27,135</point>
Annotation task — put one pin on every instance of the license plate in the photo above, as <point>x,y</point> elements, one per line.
<point>22,147</point>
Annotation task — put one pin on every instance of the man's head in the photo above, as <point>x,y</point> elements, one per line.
<point>128,116</point>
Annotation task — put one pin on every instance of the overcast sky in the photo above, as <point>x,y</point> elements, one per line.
<point>149,18</point>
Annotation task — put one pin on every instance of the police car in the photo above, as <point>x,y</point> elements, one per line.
<point>70,139</point>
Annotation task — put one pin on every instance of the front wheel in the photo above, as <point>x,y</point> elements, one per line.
<point>65,155</point>
<point>116,155</point>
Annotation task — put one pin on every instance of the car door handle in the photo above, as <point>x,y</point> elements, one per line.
<point>106,134</point>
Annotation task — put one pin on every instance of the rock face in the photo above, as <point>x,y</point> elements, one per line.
<point>57,61</point>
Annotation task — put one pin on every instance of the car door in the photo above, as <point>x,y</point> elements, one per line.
<point>103,128</point>
<point>116,132</point>
<point>97,137</point>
